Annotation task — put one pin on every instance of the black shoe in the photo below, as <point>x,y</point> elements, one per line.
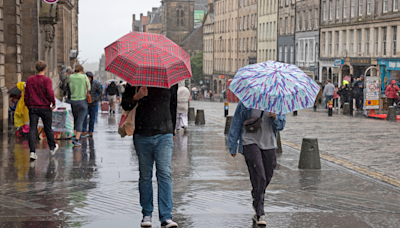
<point>113,112</point>
<point>110,111</point>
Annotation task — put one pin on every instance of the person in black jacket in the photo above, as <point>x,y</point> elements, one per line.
<point>96,94</point>
<point>112,92</point>
<point>359,92</point>
<point>153,139</point>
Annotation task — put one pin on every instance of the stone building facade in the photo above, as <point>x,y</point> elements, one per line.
<point>154,21</point>
<point>208,48</point>
<point>362,33</point>
<point>286,31</point>
<point>267,24</point>
<point>307,36</point>
<point>247,33</point>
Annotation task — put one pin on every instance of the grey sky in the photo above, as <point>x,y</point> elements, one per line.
<point>101,22</point>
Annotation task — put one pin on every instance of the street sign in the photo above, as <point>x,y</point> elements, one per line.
<point>372,92</point>
<point>338,62</point>
<point>312,68</point>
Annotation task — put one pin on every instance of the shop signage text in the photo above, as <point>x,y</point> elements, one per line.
<point>338,62</point>
<point>372,92</point>
<point>360,61</point>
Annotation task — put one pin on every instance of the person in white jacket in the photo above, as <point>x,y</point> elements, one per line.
<point>183,106</point>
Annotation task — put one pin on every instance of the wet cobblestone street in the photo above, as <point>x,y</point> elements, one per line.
<point>97,185</point>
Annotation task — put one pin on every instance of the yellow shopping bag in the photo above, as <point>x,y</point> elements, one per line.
<point>21,116</point>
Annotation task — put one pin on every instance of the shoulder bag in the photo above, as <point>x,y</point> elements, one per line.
<point>88,97</point>
<point>253,124</point>
<point>126,125</point>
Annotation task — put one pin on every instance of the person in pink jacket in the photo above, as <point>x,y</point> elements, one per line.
<point>336,97</point>
<point>391,92</point>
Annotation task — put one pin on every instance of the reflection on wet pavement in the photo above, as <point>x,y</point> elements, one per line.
<point>97,186</point>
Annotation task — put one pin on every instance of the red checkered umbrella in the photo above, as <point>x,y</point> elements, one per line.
<point>146,59</point>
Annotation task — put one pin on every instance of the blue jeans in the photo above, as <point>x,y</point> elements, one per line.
<point>79,109</point>
<point>92,111</point>
<point>156,149</point>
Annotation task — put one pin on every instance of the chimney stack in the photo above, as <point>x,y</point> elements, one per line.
<point>133,23</point>
<point>155,9</point>
<point>210,7</point>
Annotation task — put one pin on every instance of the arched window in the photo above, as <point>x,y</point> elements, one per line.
<point>180,16</point>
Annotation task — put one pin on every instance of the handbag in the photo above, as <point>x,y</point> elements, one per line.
<point>126,125</point>
<point>253,124</point>
<point>88,97</point>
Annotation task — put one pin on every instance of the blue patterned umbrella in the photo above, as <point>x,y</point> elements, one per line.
<point>274,87</point>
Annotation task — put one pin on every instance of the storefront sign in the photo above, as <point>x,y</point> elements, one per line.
<point>360,61</point>
<point>222,76</point>
<point>390,64</point>
<point>338,62</point>
<point>372,92</point>
<point>312,68</point>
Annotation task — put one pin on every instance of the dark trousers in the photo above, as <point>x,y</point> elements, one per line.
<point>47,117</point>
<point>392,101</point>
<point>261,165</point>
<point>92,113</point>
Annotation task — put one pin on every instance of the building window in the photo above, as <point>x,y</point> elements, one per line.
<point>324,11</point>
<point>394,40</point>
<point>310,20</point>
<point>286,55</point>
<point>263,31</point>
<point>274,56</point>
<point>316,18</point>
<point>274,31</point>
<point>286,25</point>
<point>384,36</point>
<point>316,52</point>
<point>330,43</point>
<point>352,7</point>
<point>280,53</point>
<point>306,52</point>
<point>330,9</point>
<point>344,42</point>
<point>260,32</point>
<point>297,52</point>
<point>281,24</point>
<point>376,40</point>
<point>336,43</point>
<point>360,7</point>
<point>291,55</point>
<point>395,5</point>
<point>179,17</point>
<point>359,42</point>
<point>344,8</point>
<point>292,24</point>
<point>368,7</point>
<point>337,8</point>
<point>282,2</point>
<point>351,42</point>
<point>385,6</point>
<point>323,43</point>
<point>301,51</point>
<point>311,50</point>
<point>266,32</point>
<point>367,36</point>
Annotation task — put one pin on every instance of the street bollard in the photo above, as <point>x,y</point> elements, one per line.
<point>226,108</point>
<point>200,119</point>
<point>191,116</point>
<point>391,116</point>
<point>295,113</point>
<point>330,106</point>
<point>228,124</point>
<point>346,109</point>
<point>279,150</point>
<point>309,155</point>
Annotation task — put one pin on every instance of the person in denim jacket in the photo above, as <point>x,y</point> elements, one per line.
<point>258,149</point>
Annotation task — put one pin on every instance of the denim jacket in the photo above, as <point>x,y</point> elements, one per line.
<point>236,131</point>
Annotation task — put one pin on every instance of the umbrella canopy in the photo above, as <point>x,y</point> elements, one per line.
<point>347,78</point>
<point>14,91</point>
<point>274,87</point>
<point>146,59</point>
<point>204,87</point>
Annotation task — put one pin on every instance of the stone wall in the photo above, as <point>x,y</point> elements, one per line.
<point>4,103</point>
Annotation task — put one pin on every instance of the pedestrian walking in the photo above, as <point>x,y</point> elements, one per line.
<point>211,94</point>
<point>392,93</point>
<point>336,97</point>
<point>96,94</point>
<point>39,98</point>
<point>344,93</point>
<point>328,92</point>
<point>79,85</point>
<point>259,148</point>
<point>359,92</point>
<point>153,139</point>
<point>183,107</point>
<point>112,92</point>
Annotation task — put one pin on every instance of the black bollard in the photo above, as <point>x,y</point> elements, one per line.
<point>330,106</point>
<point>309,155</point>
<point>200,119</point>
<point>191,116</point>
<point>295,113</point>
<point>226,109</point>
<point>391,116</point>
<point>228,124</point>
<point>279,150</point>
<point>346,108</point>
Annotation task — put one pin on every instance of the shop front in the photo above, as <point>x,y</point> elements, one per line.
<point>359,66</point>
<point>390,70</point>
<point>329,69</point>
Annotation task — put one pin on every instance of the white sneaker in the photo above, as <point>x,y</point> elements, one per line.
<point>33,156</point>
<point>146,221</point>
<point>52,152</point>
<point>169,224</point>
<point>260,221</point>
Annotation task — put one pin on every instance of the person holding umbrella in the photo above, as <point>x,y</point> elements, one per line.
<point>152,66</point>
<point>267,91</point>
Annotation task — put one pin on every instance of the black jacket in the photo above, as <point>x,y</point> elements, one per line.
<point>357,90</point>
<point>95,93</point>
<point>156,113</point>
<point>112,90</point>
